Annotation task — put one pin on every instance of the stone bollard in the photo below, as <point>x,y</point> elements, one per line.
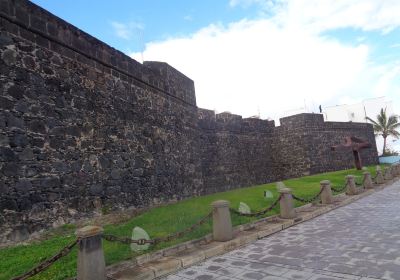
<point>286,204</point>
<point>91,264</point>
<point>326,194</point>
<point>368,184</point>
<point>388,174</point>
<point>351,185</point>
<point>393,169</point>
<point>379,177</point>
<point>222,225</point>
<point>397,169</point>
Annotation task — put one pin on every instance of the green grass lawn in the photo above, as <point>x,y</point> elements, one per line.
<point>158,222</point>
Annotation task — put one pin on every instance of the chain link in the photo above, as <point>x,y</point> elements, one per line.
<point>259,213</point>
<point>307,200</point>
<point>142,241</point>
<point>185,231</point>
<point>47,263</point>
<point>126,240</point>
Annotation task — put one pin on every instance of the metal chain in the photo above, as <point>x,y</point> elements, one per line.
<point>307,200</point>
<point>128,240</point>
<point>259,213</point>
<point>47,263</point>
<point>185,231</point>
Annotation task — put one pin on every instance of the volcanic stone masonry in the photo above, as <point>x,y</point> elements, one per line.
<point>83,127</point>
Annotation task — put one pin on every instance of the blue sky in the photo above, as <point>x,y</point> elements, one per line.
<point>152,20</point>
<point>257,57</point>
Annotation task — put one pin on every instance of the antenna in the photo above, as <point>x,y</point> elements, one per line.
<point>141,43</point>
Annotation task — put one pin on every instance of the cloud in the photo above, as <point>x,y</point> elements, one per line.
<point>126,30</point>
<point>278,64</point>
<point>244,3</point>
<point>322,15</point>
<point>188,18</point>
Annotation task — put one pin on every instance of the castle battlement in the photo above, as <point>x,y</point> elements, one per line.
<point>84,126</point>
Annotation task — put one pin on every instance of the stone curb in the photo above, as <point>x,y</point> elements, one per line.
<point>172,259</point>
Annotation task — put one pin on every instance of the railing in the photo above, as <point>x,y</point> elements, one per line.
<point>89,239</point>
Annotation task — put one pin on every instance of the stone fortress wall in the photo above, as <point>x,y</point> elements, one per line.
<point>83,126</point>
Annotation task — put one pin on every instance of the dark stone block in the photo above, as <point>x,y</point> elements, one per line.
<point>24,203</point>
<point>18,140</point>
<point>56,143</point>
<point>47,70</point>
<point>16,92</point>
<point>22,107</point>
<point>10,169</point>
<point>52,29</point>
<point>29,62</point>
<point>105,162</point>
<point>36,198</point>
<point>22,15</point>
<point>37,142</point>
<point>9,204</point>
<point>6,103</point>
<point>26,155</point>
<point>5,40</point>
<point>23,186</point>
<point>37,126</point>
<point>7,154</point>
<point>27,34</point>
<point>96,189</point>
<point>50,183</point>
<point>13,121</point>
<point>4,141</point>
<point>116,174</point>
<point>9,57</point>
<point>38,24</point>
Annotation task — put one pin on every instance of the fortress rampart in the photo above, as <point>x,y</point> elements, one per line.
<point>84,127</point>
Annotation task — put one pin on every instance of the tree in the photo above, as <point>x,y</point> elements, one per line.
<point>385,126</point>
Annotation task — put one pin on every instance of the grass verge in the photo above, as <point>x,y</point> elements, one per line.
<point>158,222</point>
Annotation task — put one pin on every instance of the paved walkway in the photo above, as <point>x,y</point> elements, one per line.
<point>358,241</point>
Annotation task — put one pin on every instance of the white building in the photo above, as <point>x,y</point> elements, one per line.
<point>358,113</point>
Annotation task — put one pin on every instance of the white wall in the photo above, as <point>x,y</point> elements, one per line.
<point>357,113</point>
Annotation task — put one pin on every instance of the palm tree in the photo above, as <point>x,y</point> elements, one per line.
<point>385,126</point>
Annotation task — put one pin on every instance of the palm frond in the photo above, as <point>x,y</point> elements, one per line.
<point>392,121</point>
<point>384,125</point>
<point>371,120</point>
<point>394,133</point>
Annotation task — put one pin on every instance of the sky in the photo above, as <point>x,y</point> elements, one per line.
<point>257,57</point>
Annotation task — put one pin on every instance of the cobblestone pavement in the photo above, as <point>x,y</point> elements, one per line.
<point>358,241</point>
